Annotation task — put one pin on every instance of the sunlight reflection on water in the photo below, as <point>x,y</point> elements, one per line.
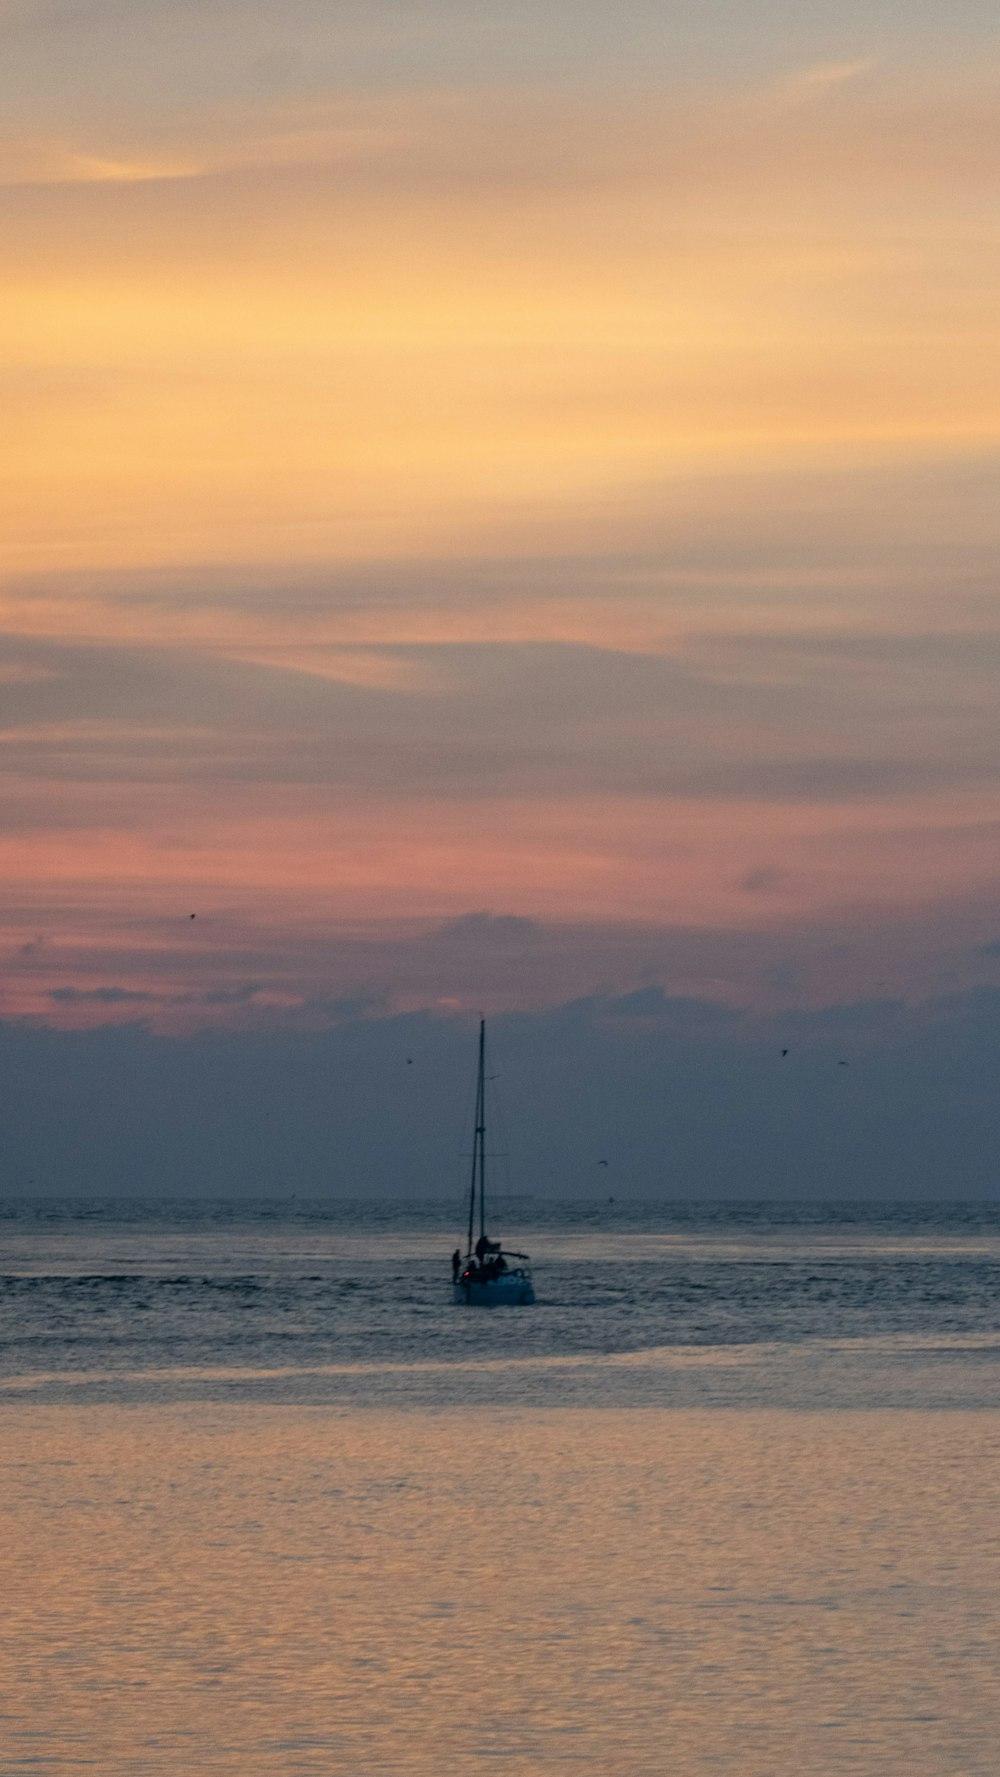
<point>276,1590</point>
<point>724,1501</point>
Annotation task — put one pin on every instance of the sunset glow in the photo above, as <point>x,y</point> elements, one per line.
<point>433,485</point>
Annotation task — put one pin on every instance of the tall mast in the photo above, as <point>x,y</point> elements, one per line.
<point>477,1140</point>
<point>481,1130</point>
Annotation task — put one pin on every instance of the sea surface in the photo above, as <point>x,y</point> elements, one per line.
<point>726,1499</point>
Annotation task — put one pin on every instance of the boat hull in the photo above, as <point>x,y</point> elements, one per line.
<point>508,1291</point>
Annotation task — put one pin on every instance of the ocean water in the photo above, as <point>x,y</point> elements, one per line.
<point>725,1500</point>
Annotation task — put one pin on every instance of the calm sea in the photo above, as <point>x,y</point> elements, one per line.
<point>725,1500</point>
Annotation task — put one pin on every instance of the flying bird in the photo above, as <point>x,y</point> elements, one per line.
<point>602,1163</point>
<point>784,1051</point>
<point>843,1064</point>
<point>409,1061</point>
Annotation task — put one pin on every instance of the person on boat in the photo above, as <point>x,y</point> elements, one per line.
<point>456,1264</point>
<point>484,1245</point>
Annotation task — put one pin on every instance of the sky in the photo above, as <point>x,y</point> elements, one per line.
<point>498,514</point>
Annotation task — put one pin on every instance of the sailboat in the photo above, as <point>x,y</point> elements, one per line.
<point>486,1277</point>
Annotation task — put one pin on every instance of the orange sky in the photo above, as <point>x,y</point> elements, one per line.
<point>568,497</point>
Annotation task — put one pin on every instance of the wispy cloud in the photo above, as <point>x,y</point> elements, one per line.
<point>197,148</point>
<point>704,145</point>
<point>811,84</point>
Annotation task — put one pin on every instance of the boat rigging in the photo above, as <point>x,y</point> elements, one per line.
<point>486,1276</point>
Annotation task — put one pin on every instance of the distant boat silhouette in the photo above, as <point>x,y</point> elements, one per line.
<point>484,1278</point>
